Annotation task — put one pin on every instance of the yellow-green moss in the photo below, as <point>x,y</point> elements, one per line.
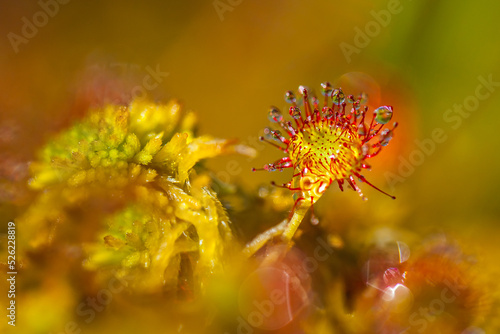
<point>120,184</point>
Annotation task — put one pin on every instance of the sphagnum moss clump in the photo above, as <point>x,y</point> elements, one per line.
<point>120,183</point>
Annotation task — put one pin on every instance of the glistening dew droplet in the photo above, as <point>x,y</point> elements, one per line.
<point>356,108</point>
<point>338,96</point>
<point>289,96</point>
<point>327,112</point>
<point>385,137</point>
<point>275,115</point>
<point>295,112</point>
<point>326,89</point>
<point>268,133</point>
<point>276,135</point>
<point>363,98</point>
<point>383,114</point>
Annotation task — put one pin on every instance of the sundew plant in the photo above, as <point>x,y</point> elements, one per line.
<point>155,179</point>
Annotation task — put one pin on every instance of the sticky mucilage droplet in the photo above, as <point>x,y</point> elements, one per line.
<point>275,115</point>
<point>383,114</point>
<point>338,96</point>
<point>290,97</point>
